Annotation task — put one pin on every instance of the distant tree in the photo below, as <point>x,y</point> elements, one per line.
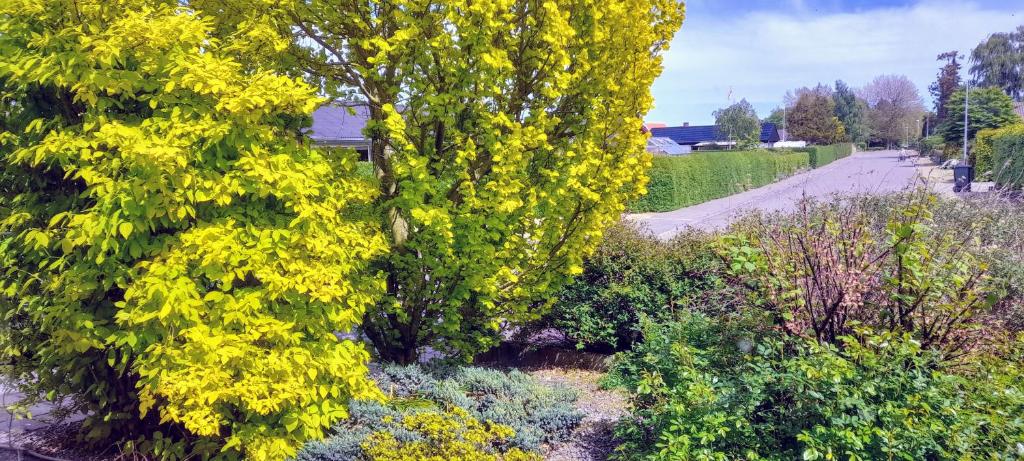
<point>793,96</point>
<point>777,117</point>
<point>813,119</point>
<point>852,112</point>
<point>945,83</point>
<point>999,61</point>
<point>739,123</point>
<point>989,108</point>
<point>895,106</point>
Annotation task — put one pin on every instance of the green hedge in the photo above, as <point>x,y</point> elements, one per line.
<point>682,181</point>
<point>823,155</point>
<point>1007,147</point>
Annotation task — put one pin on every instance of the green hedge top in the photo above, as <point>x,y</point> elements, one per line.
<point>682,181</point>
<point>823,155</point>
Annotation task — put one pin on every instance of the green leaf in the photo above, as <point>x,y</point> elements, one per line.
<point>126,229</point>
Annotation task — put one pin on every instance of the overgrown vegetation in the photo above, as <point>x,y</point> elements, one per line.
<point>498,413</point>
<point>676,182</point>
<point>861,328</point>
<point>834,268</point>
<point>633,275</point>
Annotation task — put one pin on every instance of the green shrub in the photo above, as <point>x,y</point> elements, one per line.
<point>931,145</point>
<point>778,398</point>
<point>1008,157</point>
<point>537,414</point>
<point>634,274</point>
<point>993,231</point>
<point>676,182</point>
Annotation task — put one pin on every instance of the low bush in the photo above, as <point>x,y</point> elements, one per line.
<point>776,397</point>
<point>634,274</point>
<point>418,434</point>
<point>676,182</point>
<point>534,415</point>
<point>834,267</point>
<point>1007,146</point>
<point>931,146</point>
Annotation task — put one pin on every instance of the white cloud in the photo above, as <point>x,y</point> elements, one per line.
<point>760,55</point>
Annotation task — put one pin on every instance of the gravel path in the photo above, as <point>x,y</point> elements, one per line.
<point>593,440</point>
<point>862,173</point>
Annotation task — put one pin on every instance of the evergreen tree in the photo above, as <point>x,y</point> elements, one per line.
<point>989,108</point>
<point>851,112</point>
<point>945,83</point>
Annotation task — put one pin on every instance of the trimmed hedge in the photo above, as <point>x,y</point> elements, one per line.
<point>823,155</point>
<point>1007,150</point>
<point>682,181</point>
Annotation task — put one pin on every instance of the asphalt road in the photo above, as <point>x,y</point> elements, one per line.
<point>876,172</point>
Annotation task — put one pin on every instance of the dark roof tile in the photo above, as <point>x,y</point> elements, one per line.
<point>708,133</point>
<point>334,122</point>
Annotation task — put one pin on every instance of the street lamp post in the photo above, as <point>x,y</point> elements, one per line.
<point>967,98</point>
<point>963,174</point>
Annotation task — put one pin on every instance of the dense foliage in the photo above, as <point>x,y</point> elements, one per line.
<point>739,123</point>
<point>504,136</point>
<point>174,263</point>
<point>676,182</point>
<point>531,415</point>
<point>872,328</point>
<point>988,108</point>
<point>704,390</point>
<point>813,118</point>
<point>635,275</point>
<point>1007,151</point>
<point>852,111</point>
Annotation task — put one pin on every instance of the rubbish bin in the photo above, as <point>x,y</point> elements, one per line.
<point>963,176</point>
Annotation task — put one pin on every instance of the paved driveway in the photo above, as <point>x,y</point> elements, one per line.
<point>861,173</point>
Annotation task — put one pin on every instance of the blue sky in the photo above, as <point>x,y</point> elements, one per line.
<point>758,49</point>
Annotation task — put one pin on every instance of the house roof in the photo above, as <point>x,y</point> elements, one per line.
<point>708,133</point>
<point>339,122</point>
<point>662,145</point>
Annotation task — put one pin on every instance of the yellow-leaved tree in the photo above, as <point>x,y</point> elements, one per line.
<point>506,136</point>
<point>175,261</point>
